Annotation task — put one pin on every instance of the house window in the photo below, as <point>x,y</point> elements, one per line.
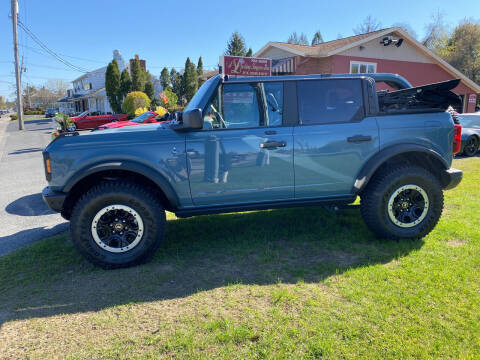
<point>357,67</point>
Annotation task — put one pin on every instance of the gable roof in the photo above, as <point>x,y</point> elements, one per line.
<point>334,47</point>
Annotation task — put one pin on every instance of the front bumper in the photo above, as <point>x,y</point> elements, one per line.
<point>451,178</point>
<point>54,199</point>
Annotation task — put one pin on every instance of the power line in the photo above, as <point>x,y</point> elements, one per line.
<point>48,50</point>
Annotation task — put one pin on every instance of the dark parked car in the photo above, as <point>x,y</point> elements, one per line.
<point>51,112</point>
<point>470,133</point>
<point>260,143</point>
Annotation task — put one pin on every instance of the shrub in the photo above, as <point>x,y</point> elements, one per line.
<point>170,97</point>
<point>13,117</point>
<point>160,110</point>
<point>140,111</point>
<point>135,100</point>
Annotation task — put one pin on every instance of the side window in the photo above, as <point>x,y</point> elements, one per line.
<point>238,108</point>
<point>274,102</point>
<point>330,101</point>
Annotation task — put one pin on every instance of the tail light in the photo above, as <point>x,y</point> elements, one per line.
<point>47,165</point>
<point>457,138</point>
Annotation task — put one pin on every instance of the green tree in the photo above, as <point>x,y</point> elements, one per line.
<point>125,83</point>
<point>189,80</point>
<point>463,49</point>
<point>172,102</point>
<point>135,100</point>
<point>138,76</point>
<point>249,53</point>
<point>200,66</point>
<point>175,81</point>
<point>150,90</point>
<point>317,38</point>
<point>200,71</point>
<point>112,86</point>
<point>165,78</point>
<point>236,45</point>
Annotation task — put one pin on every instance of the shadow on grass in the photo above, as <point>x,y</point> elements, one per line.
<point>200,253</point>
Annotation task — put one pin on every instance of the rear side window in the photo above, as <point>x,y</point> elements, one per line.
<point>330,101</point>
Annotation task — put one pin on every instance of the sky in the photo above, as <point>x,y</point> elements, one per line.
<point>165,33</point>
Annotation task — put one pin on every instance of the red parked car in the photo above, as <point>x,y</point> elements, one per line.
<point>146,118</point>
<point>88,120</point>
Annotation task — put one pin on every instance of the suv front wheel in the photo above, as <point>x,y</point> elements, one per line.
<point>402,202</point>
<point>118,224</point>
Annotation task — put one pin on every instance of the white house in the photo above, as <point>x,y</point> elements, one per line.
<point>88,91</point>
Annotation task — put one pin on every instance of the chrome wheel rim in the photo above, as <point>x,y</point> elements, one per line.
<point>117,228</point>
<point>408,206</point>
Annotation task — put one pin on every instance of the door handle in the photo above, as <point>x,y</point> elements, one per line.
<point>270,132</point>
<point>273,144</point>
<point>359,138</point>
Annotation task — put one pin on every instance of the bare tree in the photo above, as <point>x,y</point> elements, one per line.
<point>436,31</point>
<point>298,40</point>
<point>369,24</point>
<point>406,26</point>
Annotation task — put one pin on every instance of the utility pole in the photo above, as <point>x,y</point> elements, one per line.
<point>17,70</point>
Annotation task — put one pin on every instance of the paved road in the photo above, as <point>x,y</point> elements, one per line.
<point>24,218</point>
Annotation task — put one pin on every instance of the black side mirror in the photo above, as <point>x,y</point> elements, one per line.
<point>192,120</point>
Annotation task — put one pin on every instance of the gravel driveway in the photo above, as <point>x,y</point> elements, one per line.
<point>24,217</point>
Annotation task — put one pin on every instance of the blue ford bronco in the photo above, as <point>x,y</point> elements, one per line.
<point>261,143</point>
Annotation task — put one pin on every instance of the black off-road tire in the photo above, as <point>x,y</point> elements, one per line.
<point>137,197</point>
<point>375,198</point>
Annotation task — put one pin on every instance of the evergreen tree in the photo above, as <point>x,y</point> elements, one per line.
<point>236,45</point>
<point>165,79</point>
<point>173,80</point>
<point>189,80</point>
<point>112,86</point>
<point>125,83</point>
<point>249,53</point>
<point>200,66</point>
<point>317,38</point>
<point>150,90</point>
<point>138,76</point>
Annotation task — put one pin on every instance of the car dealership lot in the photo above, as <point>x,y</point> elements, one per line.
<point>24,217</point>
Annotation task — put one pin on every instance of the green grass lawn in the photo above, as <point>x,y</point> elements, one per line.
<point>295,283</point>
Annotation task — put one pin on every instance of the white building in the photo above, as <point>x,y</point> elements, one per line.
<point>88,91</point>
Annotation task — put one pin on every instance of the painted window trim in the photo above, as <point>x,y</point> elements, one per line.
<point>354,62</point>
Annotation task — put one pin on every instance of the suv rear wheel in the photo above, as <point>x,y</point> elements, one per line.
<point>402,202</point>
<point>118,224</point>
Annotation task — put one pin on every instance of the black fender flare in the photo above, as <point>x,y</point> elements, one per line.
<point>384,155</point>
<point>131,166</point>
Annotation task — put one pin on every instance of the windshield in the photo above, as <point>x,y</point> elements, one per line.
<point>195,103</point>
<point>470,121</point>
<point>143,117</point>
<point>83,113</point>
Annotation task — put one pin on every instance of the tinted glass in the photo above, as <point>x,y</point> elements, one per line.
<point>274,100</point>
<point>238,108</point>
<point>329,101</point>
